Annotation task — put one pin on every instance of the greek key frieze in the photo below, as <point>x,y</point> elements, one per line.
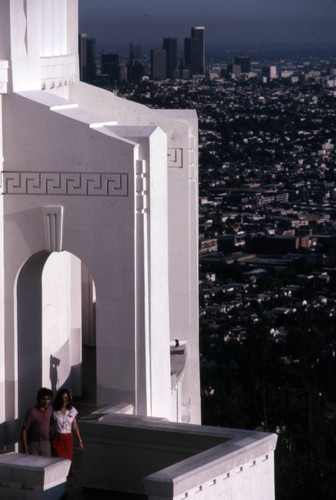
<point>64,183</point>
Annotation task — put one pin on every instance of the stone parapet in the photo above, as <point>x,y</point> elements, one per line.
<point>167,460</point>
<point>28,477</point>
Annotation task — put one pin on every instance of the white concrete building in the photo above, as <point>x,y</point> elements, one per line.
<point>99,236</point>
<point>113,184</point>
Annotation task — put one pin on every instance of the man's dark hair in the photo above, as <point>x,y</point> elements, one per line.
<point>43,392</point>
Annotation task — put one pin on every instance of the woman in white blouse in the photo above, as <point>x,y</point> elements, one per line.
<point>64,423</point>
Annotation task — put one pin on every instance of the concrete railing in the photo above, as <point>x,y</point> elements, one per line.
<point>28,477</point>
<point>234,470</point>
<point>168,460</point>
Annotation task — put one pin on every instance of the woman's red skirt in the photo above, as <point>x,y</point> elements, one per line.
<point>62,445</point>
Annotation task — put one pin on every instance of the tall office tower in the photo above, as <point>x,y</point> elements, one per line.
<point>159,64</point>
<point>194,51</point>
<point>135,68</point>
<point>170,45</point>
<point>82,53</point>
<point>198,50</point>
<point>110,65</point>
<point>91,59</point>
<point>134,53</point>
<point>87,57</point>
<point>244,63</point>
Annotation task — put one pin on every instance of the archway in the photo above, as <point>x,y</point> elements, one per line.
<point>56,313</point>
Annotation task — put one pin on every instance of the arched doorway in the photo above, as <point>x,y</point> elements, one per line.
<point>56,314</point>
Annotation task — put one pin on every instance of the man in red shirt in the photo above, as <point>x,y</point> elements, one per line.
<point>36,424</point>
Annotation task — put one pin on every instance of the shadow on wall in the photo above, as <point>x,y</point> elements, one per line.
<point>53,372</point>
<point>9,428</point>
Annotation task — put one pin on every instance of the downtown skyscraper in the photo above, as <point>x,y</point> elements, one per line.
<point>194,51</point>
<point>170,46</point>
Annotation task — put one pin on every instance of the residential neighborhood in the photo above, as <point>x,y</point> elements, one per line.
<point>267,227</point>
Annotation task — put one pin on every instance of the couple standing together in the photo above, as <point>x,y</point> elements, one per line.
<point>58,420</point>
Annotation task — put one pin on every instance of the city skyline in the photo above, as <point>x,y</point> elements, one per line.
<point>118,23</point>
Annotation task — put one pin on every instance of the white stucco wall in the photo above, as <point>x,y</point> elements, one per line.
<point>32,31</point>
<point>182,152</point>
<point>53,28</point>
<point>2,294</point>
<point>98,222</point>
<point>101,231</point>
<point>4,30</point>
<point>156,276</point>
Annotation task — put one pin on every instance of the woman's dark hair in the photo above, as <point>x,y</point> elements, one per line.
<point>58,402</point>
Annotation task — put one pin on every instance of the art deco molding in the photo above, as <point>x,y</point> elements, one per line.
<point>141,187</point>
<point>57,71</point>
<point>175,157</point>
<point>64,183</point>
<point>53,228</point>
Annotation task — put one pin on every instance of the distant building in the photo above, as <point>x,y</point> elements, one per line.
<point>91,59</point>
<point>185,74</point>
<point>269,72</point>
<point>135,68</point>
<point>170,46</point>
<point>123,72</point>
<point>134,53</point>
<point>198,54</point>
<point>194,51</point>
<point>235,70</point>
<point>244,63</point>
<point>135,72</point>
<point>110,65</point>
<point>208,245</point>
<point>159,64</point>
<point>82,53</point>
<point>87,57</point>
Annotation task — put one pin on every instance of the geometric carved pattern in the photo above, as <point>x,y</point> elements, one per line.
<point>175,158</point>
<point>64,183</point>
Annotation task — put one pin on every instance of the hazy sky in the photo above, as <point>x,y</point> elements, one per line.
<point>117,22</point>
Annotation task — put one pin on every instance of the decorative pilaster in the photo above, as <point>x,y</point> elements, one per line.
<point>53,228</point>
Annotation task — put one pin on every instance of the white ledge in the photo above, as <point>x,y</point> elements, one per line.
<point>28,477</point>
<point>169,460</point>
